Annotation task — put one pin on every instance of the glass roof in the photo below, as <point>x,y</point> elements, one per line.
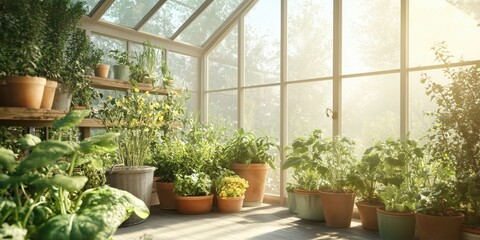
<point>187,21</point>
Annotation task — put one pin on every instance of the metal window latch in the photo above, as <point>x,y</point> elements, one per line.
<point>330,112</point>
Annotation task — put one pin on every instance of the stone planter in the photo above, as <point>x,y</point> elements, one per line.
<point>63,98</point>
<point>308,205</point>
<point>396,225</point>
<point>291,202</point>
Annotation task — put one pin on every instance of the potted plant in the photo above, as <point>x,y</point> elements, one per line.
<point>367,178</point>
<point>121,70</point>
<point>146,67</point>
<point>454,140</point>
<point>43,197</point>
<point>230,193</point>
<point>249,158</point>
<point>401,168</point>
<point>62,18</point>
<point>23,26</point>
<point>193,193</point>
<point>303,157</point>
<point>137,117</point>
<point>77,89</point>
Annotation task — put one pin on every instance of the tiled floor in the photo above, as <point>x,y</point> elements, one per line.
<point>265,222</point>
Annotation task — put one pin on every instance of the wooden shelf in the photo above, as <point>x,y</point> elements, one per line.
<point>123,85</point>
<point>14,116</point>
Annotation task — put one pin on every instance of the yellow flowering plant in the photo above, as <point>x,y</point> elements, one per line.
<point>137,117</point>
<point>231,186</point>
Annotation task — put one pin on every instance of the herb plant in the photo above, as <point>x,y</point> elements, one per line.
<point>196,184</point>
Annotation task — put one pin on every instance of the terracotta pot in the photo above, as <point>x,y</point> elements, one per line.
<point>292,203</point>
<point>63,98</point>
<point>308,205</point>
<point>396,225</point>
<point>256,175</point>
<point>368,214</point>
<point>338,208</point>
<point>439,227</point>
<point>121,72</point>
<point>194,204</point>
<point>48,94</point>
<point>25,91</point>
<point>166,195</point>
<point>230,204</point>
<point>4,101</point>
<point>102,70</point>
<point>135,180</point>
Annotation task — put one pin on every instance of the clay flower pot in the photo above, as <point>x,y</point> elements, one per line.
<point>25,91</point>
<point>166,195</point>
<point>48,94</point>
<point>194,204</point>
<point>256,175</point>
<point>368,214</point>
<point>439,227</point>
<point>338,208</point>
<point>230,204</point>
<point>102,70</point>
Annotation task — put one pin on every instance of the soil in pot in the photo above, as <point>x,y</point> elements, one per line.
<point>48,94</point>
<point>230,204</point>
<point>166,195</point>
<point>368,214</point>
<point>135,180</point>
<point>439,227</point>
<point>256,175</point>
<point>25,91</point>
<point>396,225</point>
<point>338,208</point>
<point>308,205</point>
<point>192,205</point>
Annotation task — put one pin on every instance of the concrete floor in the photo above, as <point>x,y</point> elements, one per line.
<point>264,222</point>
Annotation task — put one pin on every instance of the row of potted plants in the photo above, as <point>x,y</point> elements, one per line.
<point>44,54</point>
<point>418,185</point>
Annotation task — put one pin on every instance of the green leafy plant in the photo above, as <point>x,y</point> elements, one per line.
<point>331,158</point>
<point>454,139</point>
<point>231,186</point>
<point>246,148</point>
<point>23,29</point>
<point>80,55</point>
<point>196,184</point>
<point>122,58</point>
<point>402,165</point>
<point>42,198</point>
<point>137,117</point>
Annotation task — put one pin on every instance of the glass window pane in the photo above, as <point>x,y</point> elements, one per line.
<point>128,12</point>
<point>307,103</point>
<point>262,116</point>
<point>452,21</point>
<point>208,21</point>
<point>166,21</point>
<point>371,109</point>
<point>223,63</point>
<point>184,71</point>
<point>420,104</point>
<point>262,43</point>
<point>307,60</point>
<point>107,44</point>
<point>371,35</point>
<point>222,108</point>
